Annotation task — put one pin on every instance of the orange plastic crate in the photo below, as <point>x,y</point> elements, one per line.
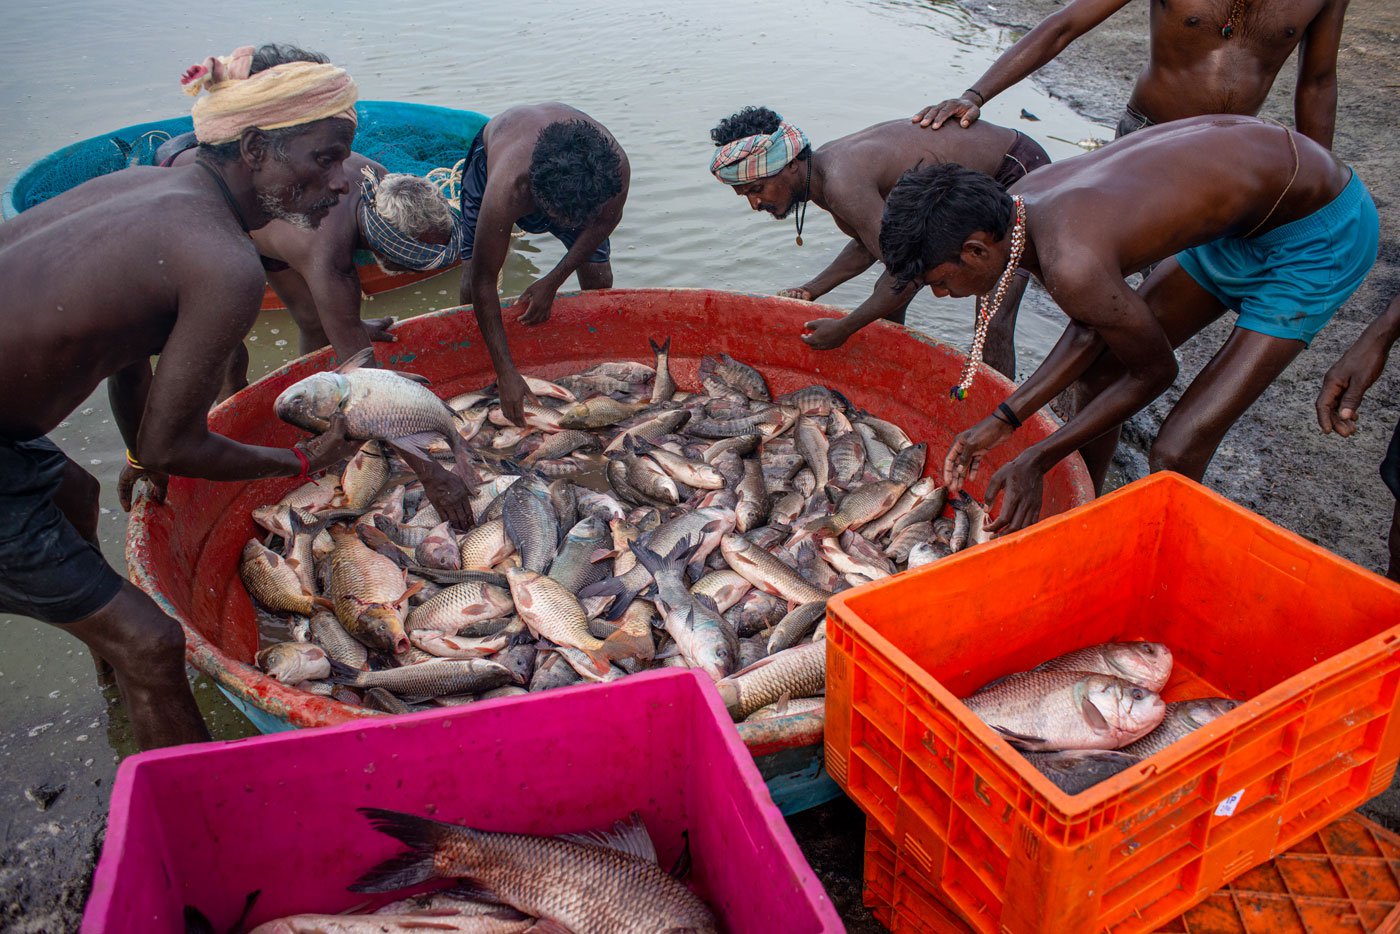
<point>1344,879</point>
<point>1308,641</point>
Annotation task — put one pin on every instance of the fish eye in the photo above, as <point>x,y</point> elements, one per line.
<point>1139,694</point>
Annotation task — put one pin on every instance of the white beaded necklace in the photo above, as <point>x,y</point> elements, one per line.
<point>989,305</point>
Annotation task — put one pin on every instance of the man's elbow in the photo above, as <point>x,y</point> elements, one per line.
<point>161,459</point>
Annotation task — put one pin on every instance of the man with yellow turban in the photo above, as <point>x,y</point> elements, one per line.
<point>96,281</point>
<point>403,220</point>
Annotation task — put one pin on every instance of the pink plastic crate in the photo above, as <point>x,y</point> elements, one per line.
<point>206,825</point>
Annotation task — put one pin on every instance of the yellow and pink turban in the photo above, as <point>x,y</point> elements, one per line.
<point>753,157</point>
<point>282,96</point>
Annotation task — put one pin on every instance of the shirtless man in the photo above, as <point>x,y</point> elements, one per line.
<point>849,178</point>
<point>1259,219</point>
<point>545,168</point>
<point>402,219</point>
<point>1340,399</point>
<point>98,280</point>
<point>1206,56</point>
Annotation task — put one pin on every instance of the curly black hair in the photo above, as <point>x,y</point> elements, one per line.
<point>750,121</point>
<point>575,169</point>
<point>268,55</point>
<point>932,211</point>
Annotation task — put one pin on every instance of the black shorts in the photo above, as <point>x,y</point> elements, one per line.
<point>1131,122</point>
<point>1390,467</point>
<point>1023,157</point>
<point>47,570</point>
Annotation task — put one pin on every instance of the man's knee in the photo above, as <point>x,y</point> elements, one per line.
<point>1173,451</point>
<point>595,276</point>
<point>149,645</point>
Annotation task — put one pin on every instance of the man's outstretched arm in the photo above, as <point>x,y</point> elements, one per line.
<point>492,243</point>
<point>1096,297</point>
<point>1037,47</point>
<point>174,437</point>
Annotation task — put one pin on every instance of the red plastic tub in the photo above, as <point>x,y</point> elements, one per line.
<point>206,825</point>
<point>185,553</point>
<point>1309,642</point>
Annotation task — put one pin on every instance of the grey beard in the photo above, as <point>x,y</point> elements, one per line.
<point>272,207</point>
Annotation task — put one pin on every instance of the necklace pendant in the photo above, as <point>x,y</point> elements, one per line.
<point>799,239</point>
<point>1227,31</point>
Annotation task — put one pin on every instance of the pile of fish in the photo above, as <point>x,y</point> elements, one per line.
<point>509,883</point>
<point>1089,714</point>
<point>627,525</point>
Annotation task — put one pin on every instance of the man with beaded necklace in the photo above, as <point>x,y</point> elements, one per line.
<point>1281,232</point>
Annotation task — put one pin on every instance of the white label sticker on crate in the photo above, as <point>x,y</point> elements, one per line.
<point>1227,807</point>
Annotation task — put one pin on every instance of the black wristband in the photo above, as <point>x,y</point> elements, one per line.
<point>981,98</point>
<point>1011,418</point>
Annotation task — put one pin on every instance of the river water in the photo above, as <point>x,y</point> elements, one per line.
<point>657,75</point>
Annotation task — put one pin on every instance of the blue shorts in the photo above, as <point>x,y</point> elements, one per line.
<point>47,570</point>
<point>474,188</point>
<point>1289,282</point>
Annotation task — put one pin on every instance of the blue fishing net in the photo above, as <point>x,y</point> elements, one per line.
<point>73,165</point>
<point>402,137</point>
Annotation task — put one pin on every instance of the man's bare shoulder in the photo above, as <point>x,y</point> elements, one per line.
<point>520,125</point>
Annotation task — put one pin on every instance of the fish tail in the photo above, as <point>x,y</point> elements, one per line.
<point>659,349</point>
<point>655,563</point>
<point>421,835</point>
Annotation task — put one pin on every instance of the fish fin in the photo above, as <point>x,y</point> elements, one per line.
<point>416,377</point>
<point>356,361</point>
<point>375,539</point>
<point>547,926</point>
<point>602,554</point>
<point>780,705</point>
<point>324,603</point>
<point>1093,716</point>
<point>1025,743</point>
<point>420,834</point>
<point>622,644</point>
<point>681,867</point>
<point>708,602</point>
<point>995,681</point>
<point>660,348</point>
<point>412,589</point>
<point>627,836</point>
<point>612,587</point>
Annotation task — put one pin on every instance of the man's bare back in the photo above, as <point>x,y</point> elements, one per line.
<point>94,281</point>
<point>1182,190</point>
<point>878,155</point>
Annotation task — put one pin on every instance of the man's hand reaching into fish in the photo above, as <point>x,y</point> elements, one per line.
<point>965,456</point>
<point>1023,483</point>
<point>514,393</point>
